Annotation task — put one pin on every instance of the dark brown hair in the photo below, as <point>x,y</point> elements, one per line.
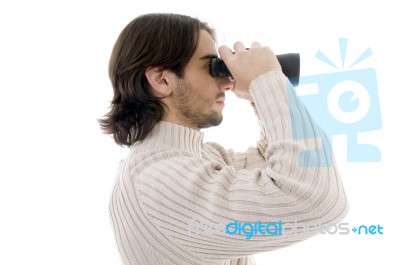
<point>162,40</point>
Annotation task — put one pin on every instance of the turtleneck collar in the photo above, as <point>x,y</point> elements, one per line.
<point>171,135</point>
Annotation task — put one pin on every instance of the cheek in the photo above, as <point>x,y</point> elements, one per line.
<point>204,80</point>
<point>207,87</point>
<point>203,89</point>
<point>204,92</point>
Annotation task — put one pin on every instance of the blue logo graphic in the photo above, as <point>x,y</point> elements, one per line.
<point>368,230</point>
<point>347,103</point>
<point>279,228</point>
<point>249,229</point>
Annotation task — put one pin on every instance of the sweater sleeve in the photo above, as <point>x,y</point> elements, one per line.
<point>210,208</point>
<point>301,125</point>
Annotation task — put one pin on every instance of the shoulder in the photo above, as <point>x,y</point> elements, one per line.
<point>218,152</point>
<point>162,162</point>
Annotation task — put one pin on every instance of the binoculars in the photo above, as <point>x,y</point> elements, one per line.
<point>290,63</point>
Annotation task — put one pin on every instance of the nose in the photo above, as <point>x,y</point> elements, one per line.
<point>224,83</point>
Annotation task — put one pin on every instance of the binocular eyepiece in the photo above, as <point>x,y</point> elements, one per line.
<point>290,63</point>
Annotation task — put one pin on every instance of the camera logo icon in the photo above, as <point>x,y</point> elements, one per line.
<point>347,102</point>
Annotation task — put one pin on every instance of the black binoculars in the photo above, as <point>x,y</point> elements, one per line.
<point>290,63</point>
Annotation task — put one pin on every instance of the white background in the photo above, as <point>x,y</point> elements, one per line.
<point>57,168</point>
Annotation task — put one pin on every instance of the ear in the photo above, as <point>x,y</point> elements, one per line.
<point>160,81</point>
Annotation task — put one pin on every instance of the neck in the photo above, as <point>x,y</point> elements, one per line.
<point>174,116</point>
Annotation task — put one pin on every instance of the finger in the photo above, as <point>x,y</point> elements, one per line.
<point>255,44</point>
<point>224,52</point>
<point>239,46</point>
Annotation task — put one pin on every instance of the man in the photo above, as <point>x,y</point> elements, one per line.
<point>172,181</point>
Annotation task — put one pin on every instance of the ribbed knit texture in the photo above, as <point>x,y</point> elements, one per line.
<point>172,178</point>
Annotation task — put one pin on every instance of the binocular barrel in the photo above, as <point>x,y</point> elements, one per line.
<point>290,63</point>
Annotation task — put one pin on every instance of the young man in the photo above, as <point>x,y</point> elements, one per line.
<point>173,189</point>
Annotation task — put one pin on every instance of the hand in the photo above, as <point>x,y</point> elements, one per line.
<point>247,65</point>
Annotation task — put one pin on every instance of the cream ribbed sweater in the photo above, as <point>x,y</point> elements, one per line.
<point>172,179</point>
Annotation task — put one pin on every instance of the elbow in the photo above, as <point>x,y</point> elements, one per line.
<point>331,206</point>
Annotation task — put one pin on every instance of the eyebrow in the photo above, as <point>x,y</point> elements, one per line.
<point>208,56</point>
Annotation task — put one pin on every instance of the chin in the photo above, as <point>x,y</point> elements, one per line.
<point>213,120</point>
